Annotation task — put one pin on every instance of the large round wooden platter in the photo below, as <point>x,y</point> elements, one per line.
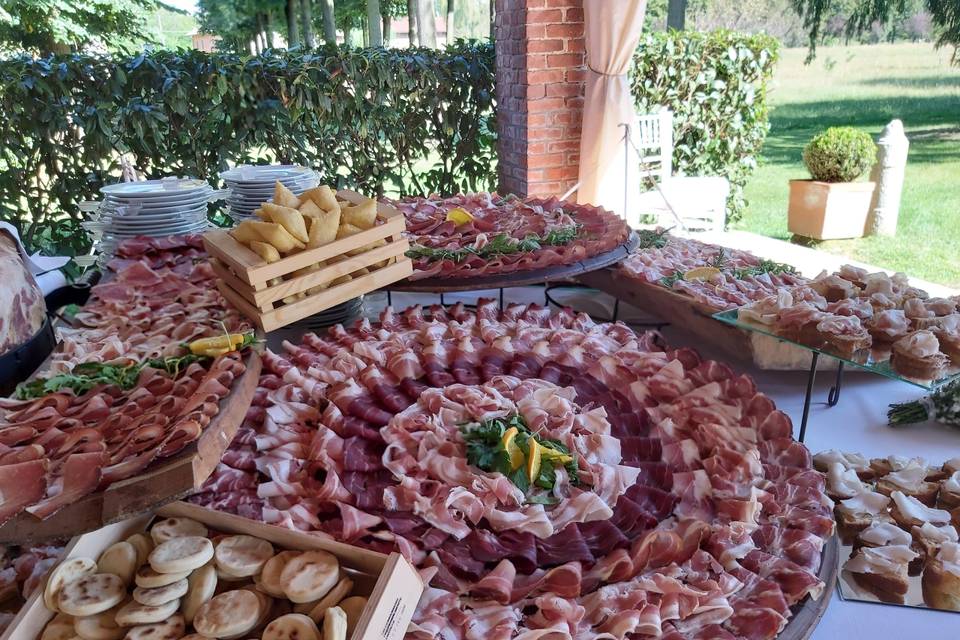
<point>520,278</point>
<point>807,615</point>
<point>162,482</point>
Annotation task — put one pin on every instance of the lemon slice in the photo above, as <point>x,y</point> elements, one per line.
<point>533,460</point>
<point>700,273</point>
<point>459,216</point>
<point>509,444</point>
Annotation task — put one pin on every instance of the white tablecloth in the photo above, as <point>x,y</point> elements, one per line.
<point>857,423</point>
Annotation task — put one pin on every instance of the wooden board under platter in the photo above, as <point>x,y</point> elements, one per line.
<point>521,278</point>
<point>162,482</point>
<point>807,614</point>
<point>765,352</point>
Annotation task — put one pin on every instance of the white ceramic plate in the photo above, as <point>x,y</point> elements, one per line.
<point>154,188</point>
<point>265,172</point>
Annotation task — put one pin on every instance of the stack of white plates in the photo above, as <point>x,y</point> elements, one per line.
<point>169,206</point>
<point>252,185</point>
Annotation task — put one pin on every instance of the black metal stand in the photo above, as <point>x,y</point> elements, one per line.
<point>832,398</point>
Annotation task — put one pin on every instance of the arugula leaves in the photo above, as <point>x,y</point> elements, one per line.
<point>485,450</point>
<point>87,375</point>
<point>500,244</point>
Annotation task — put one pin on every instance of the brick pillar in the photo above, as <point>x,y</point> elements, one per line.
<point>540,82</point>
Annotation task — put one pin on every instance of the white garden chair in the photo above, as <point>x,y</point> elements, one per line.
<point>695,203</point>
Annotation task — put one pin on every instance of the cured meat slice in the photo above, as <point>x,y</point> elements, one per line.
<point>21,485</point>
<point>79,476</point>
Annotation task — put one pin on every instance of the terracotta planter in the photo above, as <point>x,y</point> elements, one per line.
<point>829,210</point>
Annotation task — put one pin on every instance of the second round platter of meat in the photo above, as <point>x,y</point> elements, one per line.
<point>479,241</point>
<point>550,476</point>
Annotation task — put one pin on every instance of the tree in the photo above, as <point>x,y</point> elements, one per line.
<point>59,26</point>
<point>374,24</point>
<point>412,21</point>
<point>451,22</point>
<point>306,14</point>
<point>329,26</point>
<point>426,23</point>
<point>677,14</point>
<point>293,26</point>
<point>945,15</point>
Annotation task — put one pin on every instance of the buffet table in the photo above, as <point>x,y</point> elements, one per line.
<point>857,423</point>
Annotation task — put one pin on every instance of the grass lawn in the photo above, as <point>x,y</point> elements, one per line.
<point>866,87</point>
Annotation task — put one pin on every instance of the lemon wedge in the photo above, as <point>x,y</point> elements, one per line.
<point>554,456</point>
<point>459,216</point>
<point>534,460</point>
<point>700,273</point>
<point>510,446</point>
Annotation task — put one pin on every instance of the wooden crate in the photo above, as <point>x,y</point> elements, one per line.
<point>243,276</point>
<point>164,480</point>
<point>390,583</point>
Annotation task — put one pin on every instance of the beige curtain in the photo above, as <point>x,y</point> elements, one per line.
<point>612,33</point>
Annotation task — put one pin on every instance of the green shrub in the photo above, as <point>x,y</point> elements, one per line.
<point>839,154</point>
<point>716,85</point>
<point>402,121</point>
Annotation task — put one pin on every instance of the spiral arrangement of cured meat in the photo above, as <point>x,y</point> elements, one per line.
<point>704,519</point>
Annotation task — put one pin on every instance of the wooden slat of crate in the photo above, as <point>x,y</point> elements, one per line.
<point>256,272</point>
<point>264,298</point>
<point>282,316</point>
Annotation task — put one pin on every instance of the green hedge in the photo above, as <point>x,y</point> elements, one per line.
<point>716,85</point>
<point>408,121</point>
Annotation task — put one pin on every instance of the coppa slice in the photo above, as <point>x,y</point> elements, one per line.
<point>120,559</point>
<point>293,626</point>
<point>176,528</point>
<point>148,578</point>
<point>243,556</point>
<point>66,571</point>
<point>310,576</point>
<point>91,594</point>
<point>201,585</point>
<point>231,613</point>
<point>172,628</point>
<point>156,596</point>
<point>269,580</point>
<point>181,554</point>
<point>134,613</point>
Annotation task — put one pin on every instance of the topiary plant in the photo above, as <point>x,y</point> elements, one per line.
<point>839,154</point>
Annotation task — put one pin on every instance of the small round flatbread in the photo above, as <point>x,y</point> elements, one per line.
<point>66,571</point>
<point>226,576</point>
<point>120,559</point>
<point>147,578</point>
<point>176,528</point>
<point>143,544</point>
<point>102,626</point>
<point>201,585</point>
<point>172,628</point>
<point>156,596</point>
<point>310,576</point>
<point>266,605</point>
<point>243,555</point>
<point>181,554</point>
<point>231,613</point>
<point>332,599</point>
<point>293,626</point>
<point>194,636</point>
<point>91,594</point>
<point>269,579</point>
<point>353,607</point>
<point>133,613</point>
<point>59,628</point>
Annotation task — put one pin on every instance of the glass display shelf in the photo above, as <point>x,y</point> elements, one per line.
<point>876,360</point>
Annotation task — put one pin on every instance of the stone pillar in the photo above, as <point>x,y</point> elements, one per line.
<point>540,82</point>
<point>887,174</point>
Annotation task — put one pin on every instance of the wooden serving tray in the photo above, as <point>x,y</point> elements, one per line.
<point>391,584</point>
<point>165,480</point>
<point>765,352</point>
<point>243,276</point>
